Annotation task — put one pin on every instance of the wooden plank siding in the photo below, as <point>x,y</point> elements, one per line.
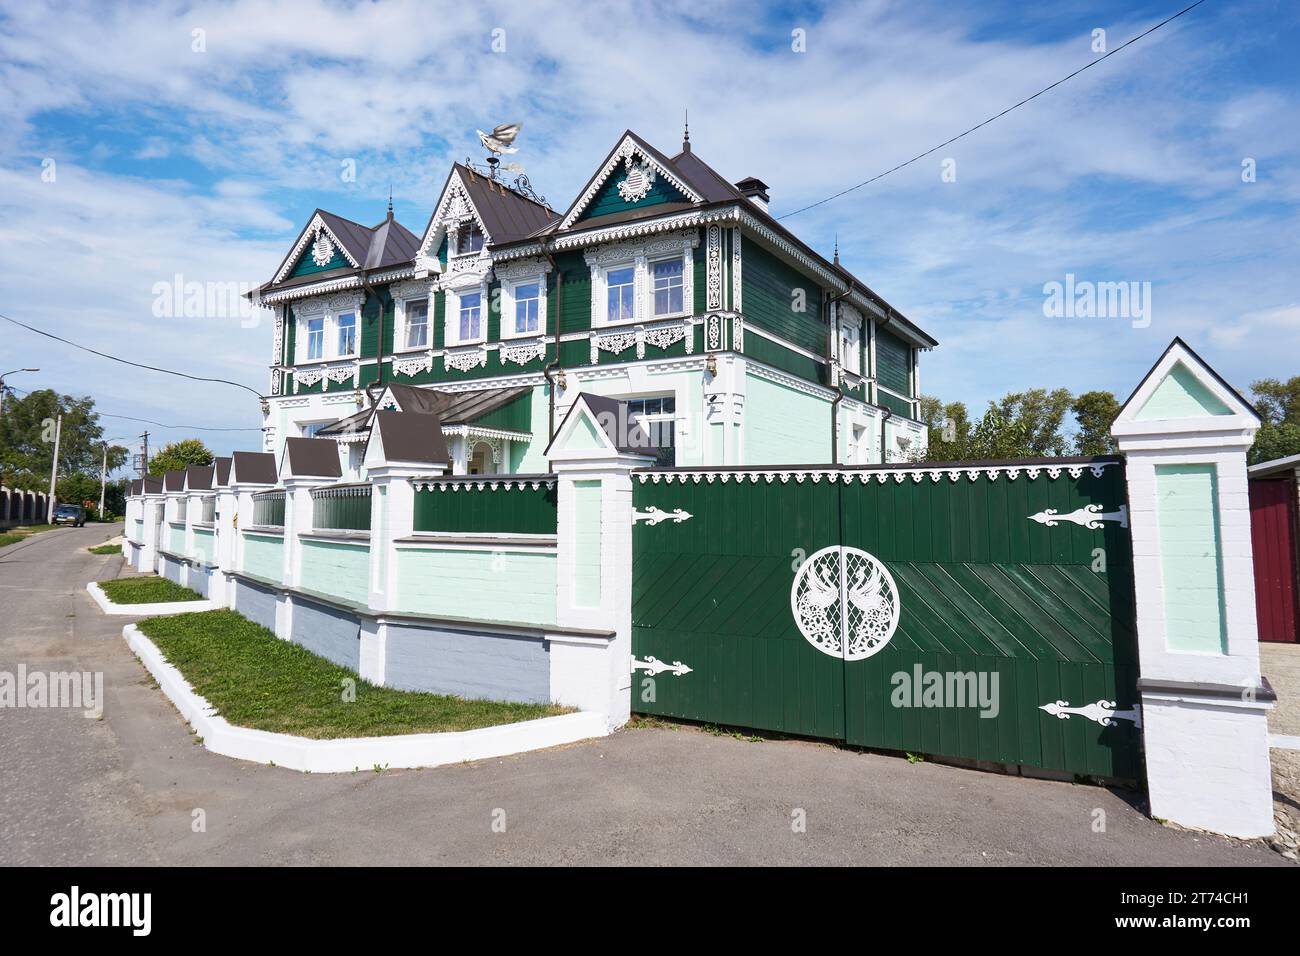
<point>982,589</point>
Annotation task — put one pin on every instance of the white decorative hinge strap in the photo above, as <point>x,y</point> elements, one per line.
<point>1089,516</point>
<point>653,516</point>
<point>1102,712</point>
<point>653,665</point>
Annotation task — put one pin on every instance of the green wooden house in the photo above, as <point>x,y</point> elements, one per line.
<point>663,284</point>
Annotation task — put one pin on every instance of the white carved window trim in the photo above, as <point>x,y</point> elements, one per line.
<point>639,255</point>
<point>328,310</point>
<point>451,314</point>
<point>850,344</point>
<point>508,287</point>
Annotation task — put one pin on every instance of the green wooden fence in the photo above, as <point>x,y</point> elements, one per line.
<point>268,509</point>
<point>341,508</point>
<point>519,505</point>
<point>868,605</point>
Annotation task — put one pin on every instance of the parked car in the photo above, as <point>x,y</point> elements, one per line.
<point>74,515</point>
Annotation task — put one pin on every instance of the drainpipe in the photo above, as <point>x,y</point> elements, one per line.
<point>831,345</point>
<point>372,390</point>
<point>550,367</point>
<point>886,416</point>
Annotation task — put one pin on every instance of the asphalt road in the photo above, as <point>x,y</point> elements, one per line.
<point>125,789</point>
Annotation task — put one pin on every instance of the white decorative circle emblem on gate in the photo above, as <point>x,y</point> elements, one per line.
<point>845,603</point>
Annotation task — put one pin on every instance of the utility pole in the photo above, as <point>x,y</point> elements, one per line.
<point>2,384</point>
<point>103,481</point>
<point>144,462</point>
<point>54,470</point>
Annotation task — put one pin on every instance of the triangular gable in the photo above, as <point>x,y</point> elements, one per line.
<point>1180,393</point>
<point>318,248</point>
<point>599,425</point>
<point>453,206</point>
<point>629,165</point>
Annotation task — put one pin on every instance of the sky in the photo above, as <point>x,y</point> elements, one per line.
<point>142,143</point>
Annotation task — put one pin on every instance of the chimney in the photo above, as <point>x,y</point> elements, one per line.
<point>755,190</point>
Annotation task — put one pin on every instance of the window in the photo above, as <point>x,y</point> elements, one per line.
<point>667,276</point>
<point>470,315</point>
<point>619,282</point>
<point>527,311</point>
<point>657,418</point>
<point>469,239</point>
<point>315,339</point>
<point>850,351</point>
<point>347,324</point>
<point>417,323</point>
<point>310,429</point>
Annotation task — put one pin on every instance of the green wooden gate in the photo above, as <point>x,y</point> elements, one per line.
<point>982,611</point>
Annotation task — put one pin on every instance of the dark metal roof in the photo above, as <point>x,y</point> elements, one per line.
<point>1178,340</point>
<point>508,215</point>
<point>153,486</point>
<point>253,468</point>
<point>410,436</point>
<point>222,466</point>
<point>312,458</point>
<point>198,477</point>
<point>135,487</point>
<point>619,427</point>
<point>452,408</point>
<point>174,480</point>
<point>386,245</point>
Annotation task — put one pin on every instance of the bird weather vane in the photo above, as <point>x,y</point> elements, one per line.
<point>500,142</point>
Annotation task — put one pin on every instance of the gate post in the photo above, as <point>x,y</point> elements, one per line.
<point>1184,432</point>
<point>151,516</point>
<point>593,454</point>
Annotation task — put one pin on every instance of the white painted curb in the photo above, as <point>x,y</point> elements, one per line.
<point>1284,741</point>
<point>146,610</point>
<point>403,751</point>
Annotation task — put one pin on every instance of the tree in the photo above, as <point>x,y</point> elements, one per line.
<point>1278,404</point>
<point>1095,412</point>
<point>1040,414</point>
<point>949,427</point>
<point>27,430</point>
<point>178,455</point>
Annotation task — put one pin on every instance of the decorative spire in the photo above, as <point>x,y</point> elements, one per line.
<point>390,200</point>
<point>837,248</point>
<point>686,133</point>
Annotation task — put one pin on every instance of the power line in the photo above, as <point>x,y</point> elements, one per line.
<point>151,368</point>
<point>150,421</point>
<point>948,142</point>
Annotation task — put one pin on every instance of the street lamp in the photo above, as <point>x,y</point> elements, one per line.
<point>2,384</point>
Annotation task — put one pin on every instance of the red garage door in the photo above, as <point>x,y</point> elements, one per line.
<point>1273,537</point>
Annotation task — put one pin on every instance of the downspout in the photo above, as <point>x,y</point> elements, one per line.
<point>378,383</point>
<point>551,366</point>
<point>831,351</point>
<point>887,412</point>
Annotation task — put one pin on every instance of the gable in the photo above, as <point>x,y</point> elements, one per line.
<point>610,198</point>
<point>307,265</point>
<point>1182,395</point>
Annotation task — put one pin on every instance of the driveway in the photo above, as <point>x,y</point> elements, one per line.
<point>132,787</point>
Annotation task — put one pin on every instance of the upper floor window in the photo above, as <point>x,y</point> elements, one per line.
<point>527,307</point>
<point>310,429</point>
<point>469,239</point>
<point>668,286</point>
<point>620,284</point>
<point>850,349</point>
<point>315,338</point>
<point>347,325</point>
<point>471,307</point>
<point>417,323</point>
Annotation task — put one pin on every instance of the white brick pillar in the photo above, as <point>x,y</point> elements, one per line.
<point>392,517</point>
<point>1184,433</point>
<point>297,520</point>
<point>152,507</point>
<point>225,537</point>
<point>591,651</point>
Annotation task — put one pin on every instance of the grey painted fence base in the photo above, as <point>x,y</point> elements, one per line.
<point>357,753</point>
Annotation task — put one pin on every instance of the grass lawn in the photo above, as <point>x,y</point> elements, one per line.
<point>14,535</point>
<point>147,590</point>
<point>256,680</point>
<point>106,549</point>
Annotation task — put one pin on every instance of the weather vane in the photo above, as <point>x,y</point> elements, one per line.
<point>499,142</point>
